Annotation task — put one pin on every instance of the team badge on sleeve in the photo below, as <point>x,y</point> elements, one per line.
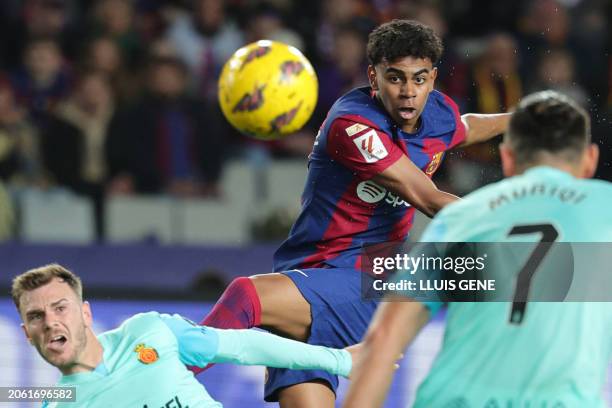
<point>355,128</point>
<point>371,147</point>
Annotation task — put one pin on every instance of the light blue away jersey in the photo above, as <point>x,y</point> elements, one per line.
<point>559,353</point>
<point>144,362</point>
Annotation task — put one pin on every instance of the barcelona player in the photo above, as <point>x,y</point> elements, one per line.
<point>369,171</point>
<point>142,363</point>
<point>519,354</point>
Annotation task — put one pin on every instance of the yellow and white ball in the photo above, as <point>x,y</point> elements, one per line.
<point>268,90</point>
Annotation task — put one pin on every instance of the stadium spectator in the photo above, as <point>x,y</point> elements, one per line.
<point>7,215</point>
<point>104,55</point>
<point>44,78</point>
<point>115,19</point>
<point>73,141</point>
<point>344,71</point>
<point>337,14</point>
<point>204,40</point>
<point>266,22</point>
<point>169,142</point>
<point>496,87</point>
<point>40,18</point>
<point>556,71</point>
<point>19,148</point>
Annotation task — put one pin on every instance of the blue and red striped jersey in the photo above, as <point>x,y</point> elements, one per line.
<point>342,209</point>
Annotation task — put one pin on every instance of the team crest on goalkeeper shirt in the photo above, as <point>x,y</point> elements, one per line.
<point>146,355</point>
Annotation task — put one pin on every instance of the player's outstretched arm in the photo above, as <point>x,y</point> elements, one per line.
<point>394,325</point>
<point>252,347</point>
<point>199,346</point>
<point>482,127</point>
<point>408,181</point>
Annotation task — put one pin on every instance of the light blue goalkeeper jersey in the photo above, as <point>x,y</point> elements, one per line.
<point>558,355</point>
<point>144,362</point>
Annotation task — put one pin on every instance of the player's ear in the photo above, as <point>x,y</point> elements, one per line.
<point>508,159</point>
<point>372,77</point>
<point>25,331</point>
<point>86,310</point>
<point>590,159</point>
<point>434,75</point>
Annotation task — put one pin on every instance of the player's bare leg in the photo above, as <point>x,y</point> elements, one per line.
<point>285,311</point>
<point>307,395</point>
<point>283,308</point>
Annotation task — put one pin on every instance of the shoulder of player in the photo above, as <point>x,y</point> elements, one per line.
<point>442,101</point>
<point>441,114</point>
<point>473,203</point>
<point>600,187</point>
<point>135,324</point>
<point>353,125</point>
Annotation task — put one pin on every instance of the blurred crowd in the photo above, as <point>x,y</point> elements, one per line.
<point>107,97</point>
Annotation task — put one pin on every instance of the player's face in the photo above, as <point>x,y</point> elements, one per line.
<point>403,86</point>
<point>55,322</point>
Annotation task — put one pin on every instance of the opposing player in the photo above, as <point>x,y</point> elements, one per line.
<point>555,354</point>
<point>142,363</point>
<point>369,170</point>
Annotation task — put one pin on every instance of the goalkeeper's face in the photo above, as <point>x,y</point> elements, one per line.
<point>56,322</point>
<point>403,86</point>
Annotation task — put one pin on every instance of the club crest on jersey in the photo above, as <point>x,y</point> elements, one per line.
<point>250,101</point>
<point>371,147</point>
<point>146,355</point>
<point>434,163</point>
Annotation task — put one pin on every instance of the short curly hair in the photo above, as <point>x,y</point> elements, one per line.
<point>403,38</point>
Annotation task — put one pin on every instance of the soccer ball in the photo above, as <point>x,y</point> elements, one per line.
<point>268,90</point>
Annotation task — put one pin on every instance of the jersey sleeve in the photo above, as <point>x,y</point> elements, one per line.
<point>200,345</point>
<point>197,345</point>
<point>252,347</point>
<point>361,147</point>
<point>459,135</point>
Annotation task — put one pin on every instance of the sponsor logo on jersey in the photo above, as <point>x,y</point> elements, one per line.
<point>250,101</point>
<point>434,163</point>
<point>173,403</point>
<point>355,128</point>
<point>371,147</point>
<point>146,355</point>
<point>371,193</point>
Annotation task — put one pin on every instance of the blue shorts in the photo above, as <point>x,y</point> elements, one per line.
<point>339,319</point>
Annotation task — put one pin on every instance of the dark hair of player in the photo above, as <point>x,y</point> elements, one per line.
<point>548,122</point>
<point>403,38</point>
